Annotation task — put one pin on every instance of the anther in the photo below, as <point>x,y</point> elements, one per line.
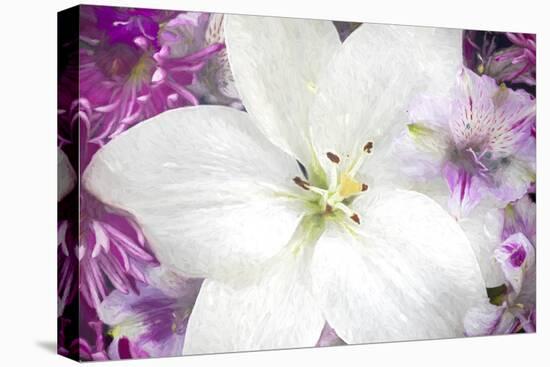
<point>368,147</point>
<point>364,187</point>
<point>333,157</point>
<point>303,184</point>
<point>355,218</point>
<point>328,209</point>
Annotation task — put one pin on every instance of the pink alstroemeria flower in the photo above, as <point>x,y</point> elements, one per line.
<point>512,306</point>
<point>478,139</point>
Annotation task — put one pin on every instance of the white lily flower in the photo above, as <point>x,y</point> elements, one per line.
<point>219,194</point>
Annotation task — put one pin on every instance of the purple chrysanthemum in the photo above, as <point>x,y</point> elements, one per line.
<point>111,252</point>
<point>128,70</point>
<point>67,268</point>
<point>92,351</point>
<point>514,63</point>
<point>108,253</point>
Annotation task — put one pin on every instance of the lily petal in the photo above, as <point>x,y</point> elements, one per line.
<point>365,91</point>
<point>271,311</point>
<point>408,273</point>
<point>210,192</point>
<point>276,63</point>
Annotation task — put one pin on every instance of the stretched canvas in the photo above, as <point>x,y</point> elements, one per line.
<point>231,183</point>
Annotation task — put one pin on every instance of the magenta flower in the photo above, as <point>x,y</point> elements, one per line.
<point>111,251</point>
<point>511,306</point>
<point>88,351</point>
<point>125,24</point>
<point>155,320</point>
<point>67,264</point>
<point>123,348</point>
<point>67,268</point>
<point>90,347</point>
<point>521,57</point>
<point>479,139</point>
<point>127,74</point>
<point>514,63</point>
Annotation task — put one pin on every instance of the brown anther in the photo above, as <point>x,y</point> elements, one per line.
<point>364,187</point>
<point>328,209</point>
<point>355,218</point>
<point>303,184</point>
<point>368,147</point>
<point>333,157</point>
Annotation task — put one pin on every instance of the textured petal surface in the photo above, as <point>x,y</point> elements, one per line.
<point>483,227</point>
<point>408,272</point>
<point>423,145</point>
<point>276,63</point>
<point>521,216</point>
<point>152,320</point>
<point>206,187</point>
<point>273,310</point>
<point>516,257</point>
<point>466,190</point>
<point>66,176</point>
<point>488,319</point>
<point>511,181</point>
<point>487,116</point>
<point>364,93</point>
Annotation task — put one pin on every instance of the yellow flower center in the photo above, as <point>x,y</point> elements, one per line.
<point>329,194</point>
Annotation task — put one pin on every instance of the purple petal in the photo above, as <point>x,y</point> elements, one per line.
<point>329,337</point>
<point>516,256</point>
<point>466,189</point>
<point>153,320</point>
<point>520,216</point>
<point>488,319</point>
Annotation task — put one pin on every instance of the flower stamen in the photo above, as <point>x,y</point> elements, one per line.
<point>333,157</point>
<point>368,147</point>
<point>367,150</point>
<point>303,184</point>
<point>347,211</point>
